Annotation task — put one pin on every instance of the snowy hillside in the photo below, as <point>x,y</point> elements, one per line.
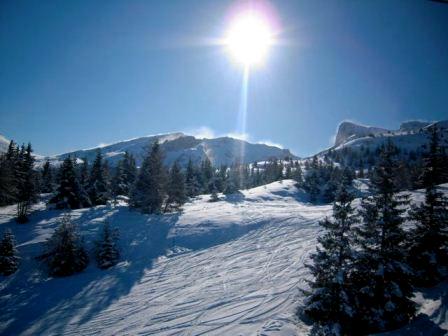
<point>178,146</point>
<point>411,136</point>
<point>4,143</point>
<point>232,267</point>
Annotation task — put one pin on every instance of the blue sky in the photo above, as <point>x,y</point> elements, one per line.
<point>74,74</point>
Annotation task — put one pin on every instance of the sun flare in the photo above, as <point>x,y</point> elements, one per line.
<point>249,39</point>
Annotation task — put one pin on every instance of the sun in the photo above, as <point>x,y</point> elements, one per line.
<point>249,39</point>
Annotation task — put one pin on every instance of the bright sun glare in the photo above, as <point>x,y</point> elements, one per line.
<point>249,39</point>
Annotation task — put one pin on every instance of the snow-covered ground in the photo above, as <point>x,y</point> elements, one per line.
<point>232,267</point>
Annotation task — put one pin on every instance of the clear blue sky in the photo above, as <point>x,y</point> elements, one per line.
<point>74,74</point>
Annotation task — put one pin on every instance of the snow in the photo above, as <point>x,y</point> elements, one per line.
<point>4,143</point>
<point>232,267</point>
<point>411,136</point>
<point>181,147</point>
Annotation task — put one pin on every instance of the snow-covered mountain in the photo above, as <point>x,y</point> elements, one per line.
<point>182,147</point>
<point>4,143</point>
<point>411,135</point>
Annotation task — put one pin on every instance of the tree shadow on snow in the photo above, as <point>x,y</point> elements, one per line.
<point>50,305</point>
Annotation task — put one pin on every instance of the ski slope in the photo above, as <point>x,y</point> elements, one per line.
<point>232,267</point>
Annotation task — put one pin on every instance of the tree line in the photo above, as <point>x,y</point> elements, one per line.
<point>367,264</point>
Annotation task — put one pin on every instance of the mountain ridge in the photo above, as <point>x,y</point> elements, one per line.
<point>181,147</point>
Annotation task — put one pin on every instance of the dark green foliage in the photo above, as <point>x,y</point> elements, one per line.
<point>107,252</point>
<point>149,190</point>
<point>381,276</point>
<point>429,242</point>
<point>47,181</point>
<point>9,261</point>
<point>124,177</point>
<point>175,188</point>
<point>330,301</point>
<point>69,194</point>
<point>97,185</point>
<point>26,183</point>
<point>64,251</point>
<point>8,185</point>
<point>192,185</point>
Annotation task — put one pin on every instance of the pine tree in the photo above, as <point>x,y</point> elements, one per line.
<point>97,186</point>
<point>149,190</point>
<point>381,275</point>
<point>175,188</point>
<point>84,174</point>
<point>26,185</point>
<point>64,251</point>
<point>329,303</point>
<point>69,194</point>
<point>107,252</point>
<point>124,177</point>
<point>9,261</point>
<point>311,184</point>
<point>191,182</point>
<point>8,186</point>
<point>47,178</point>
<point>297,175</point>
<point>206,175</point>
<point>429,242</point>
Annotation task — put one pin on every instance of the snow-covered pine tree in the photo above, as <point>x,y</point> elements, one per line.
<point>149,190</point>
<point>69,194</point>
<point>381,276</point>
<point>330,301</point>
<point>175,188</point>
<point>429,240</point>
<point>97,186</point>
<point>64,252</point>
<point>47,185</point>
<point>107,251</point>
<point>9,261</point>
<point>26,184</point>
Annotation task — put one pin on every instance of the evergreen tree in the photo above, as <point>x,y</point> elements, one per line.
<point>330,304</point>
<point>9,261</point>
<point>64,251</point>
<point>206,175</point>
<point>311,184</point>
<point>175,188</point>
<point>8,186</point>
<point>124,177</point>
<point>47,185</point>
<point>84,174</point>
<point>149,190</point>
<point>298,175</point>
<point>214,195</point>
<point>107,252</point>
<point>69,194</point>
<point>191,182</point>
<point>97,186</point>
<point>381,275</point>
<point>429,242</point>
<point>26,184</point>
